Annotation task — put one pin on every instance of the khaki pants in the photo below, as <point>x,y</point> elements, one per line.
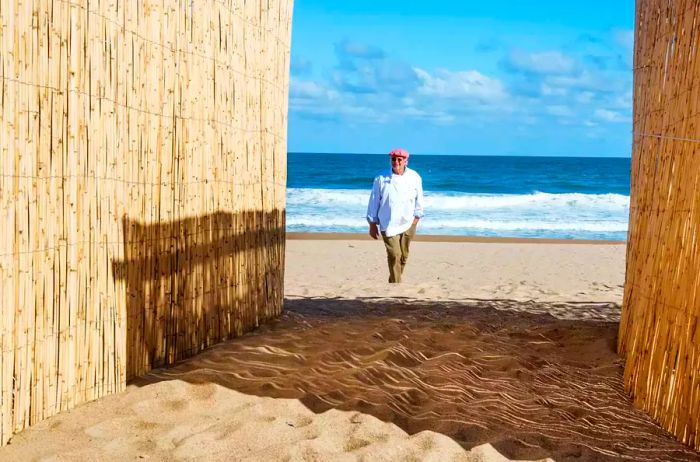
<point>397,252</point>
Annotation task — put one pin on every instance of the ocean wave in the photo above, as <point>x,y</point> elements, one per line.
<point>448,201</point>
<point>529,225</point>
<point>537,199</point>
<point>430,225</point>
<point>538,214</point>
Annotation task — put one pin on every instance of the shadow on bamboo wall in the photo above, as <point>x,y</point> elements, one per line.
<point>154,110</point>
<point>188,283</point>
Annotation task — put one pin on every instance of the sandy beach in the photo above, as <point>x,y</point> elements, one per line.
<point>490,350</point>
<point>460,268</point>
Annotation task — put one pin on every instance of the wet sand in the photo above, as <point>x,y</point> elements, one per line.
<point>357,369</point>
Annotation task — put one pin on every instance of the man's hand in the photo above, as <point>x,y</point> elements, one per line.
<point>416,220</point>
<point>373,231</point>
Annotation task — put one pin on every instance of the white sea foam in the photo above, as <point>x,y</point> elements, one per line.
<point>571,215</point>
<point>538,199</point>
<point>530,225</point>
<point>460,201</point>
<point>429,224</point>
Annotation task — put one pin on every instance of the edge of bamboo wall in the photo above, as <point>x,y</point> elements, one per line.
<point>659,333</point>
<point>142,185</point>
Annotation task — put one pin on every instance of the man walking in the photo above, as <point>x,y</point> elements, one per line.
<point>395,206</point>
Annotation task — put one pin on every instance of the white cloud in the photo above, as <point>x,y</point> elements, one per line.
<point>359,50</point>
<point>308,89</point>
<point>461,84</point>
<point>368,87</point>
<point>607,115</point>
<point>585,97</point>
<point>548,62</point>
<point>442,98</point>
<point>585,81</point>
<point>316,99</point>
<point>559,110</point>
<point>623,101</point>
<point>439,117</point>
<point>548,90</point>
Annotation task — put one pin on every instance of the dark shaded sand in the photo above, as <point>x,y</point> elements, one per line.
<point>493,372</point>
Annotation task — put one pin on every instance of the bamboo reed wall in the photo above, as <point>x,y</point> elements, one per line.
<point>659,332</point>
<point>142,183</point>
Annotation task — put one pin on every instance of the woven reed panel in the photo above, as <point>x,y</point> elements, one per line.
<point>142,183</point>
<point>659,332</point>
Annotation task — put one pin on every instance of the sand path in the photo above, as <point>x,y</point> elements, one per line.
<point>356,369</point>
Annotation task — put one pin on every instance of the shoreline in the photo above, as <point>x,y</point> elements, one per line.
<point>323,236</point>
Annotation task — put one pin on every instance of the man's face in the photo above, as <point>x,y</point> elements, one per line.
<point>398,164</point>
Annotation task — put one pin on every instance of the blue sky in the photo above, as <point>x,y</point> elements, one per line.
<point>503,77</point>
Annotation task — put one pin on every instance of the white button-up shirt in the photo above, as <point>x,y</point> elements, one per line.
<point>395,200</point>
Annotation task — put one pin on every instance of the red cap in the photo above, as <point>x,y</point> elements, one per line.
<point>399,153</point>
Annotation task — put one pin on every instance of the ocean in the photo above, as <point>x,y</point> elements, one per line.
<point>540,197</point>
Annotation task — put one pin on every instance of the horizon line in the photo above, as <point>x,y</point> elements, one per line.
<point>459,155</point>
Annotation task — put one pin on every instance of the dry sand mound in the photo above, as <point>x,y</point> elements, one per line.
<point>174,420</point>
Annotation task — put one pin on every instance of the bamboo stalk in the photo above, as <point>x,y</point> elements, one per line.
<point>142,178</point>
<point>659,327</point>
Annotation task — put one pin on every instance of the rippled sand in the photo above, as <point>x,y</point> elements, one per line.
<point>373,372</point>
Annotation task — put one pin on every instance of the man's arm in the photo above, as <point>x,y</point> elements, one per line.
<point>418,210</point>
<point>373,209</point>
